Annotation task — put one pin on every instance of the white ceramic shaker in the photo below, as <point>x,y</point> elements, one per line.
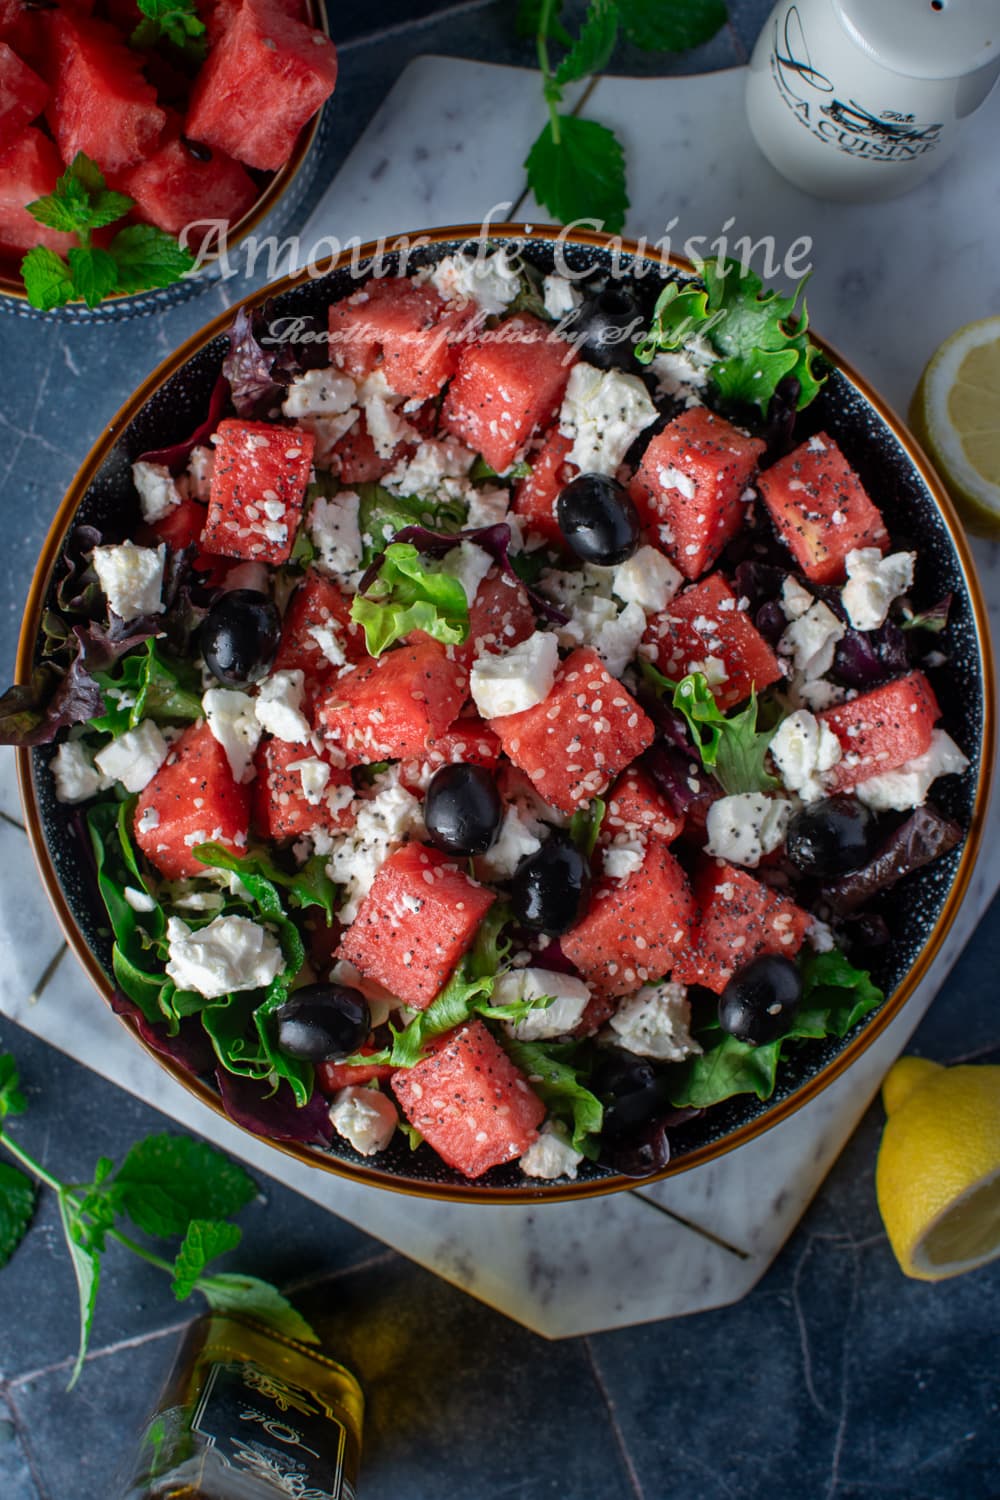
<point>863,99</point>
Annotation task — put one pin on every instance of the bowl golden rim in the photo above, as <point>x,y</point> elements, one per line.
<point>469,1193</point>
<point>13,285</point>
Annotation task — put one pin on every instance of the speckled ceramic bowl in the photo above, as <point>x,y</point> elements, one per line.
<point>892,467</point>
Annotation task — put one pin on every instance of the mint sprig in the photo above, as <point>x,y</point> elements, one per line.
<point>173,21</point>
<point>139,257</point>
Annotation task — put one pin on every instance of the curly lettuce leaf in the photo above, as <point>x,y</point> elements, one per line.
<point>147,685</point>
<point>557,1073</point>
<point>731,747</point>
<point>408,595</point>
<point>381,514</point>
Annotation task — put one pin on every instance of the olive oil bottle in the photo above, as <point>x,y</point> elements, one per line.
<point>248,1414</point>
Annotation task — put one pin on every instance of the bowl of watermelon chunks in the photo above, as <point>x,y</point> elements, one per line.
<point>139,141</point>
<point>509,722</point>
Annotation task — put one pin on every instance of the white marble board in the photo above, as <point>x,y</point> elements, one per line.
<point>703,1239</point>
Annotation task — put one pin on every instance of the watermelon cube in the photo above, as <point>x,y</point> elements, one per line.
<point>507,386</point>
<point>173,188</point>
<point>820,508</point>
<point>334,1076</point>
<point>286,804</point>
<point>469,742</point>
<point>192,799</point>
<point>635,809</point>
<point>469,1101</point>
<point>391,708</point>
<point>704,630</point>
<point>22,96</point>
<point>259,481</point>
<point>265,76</point>
<point>416,922</point>
<point>577,739</point>
<point>881,730</point>
<point>353,457</point>
<point>634,929</point>
<point>535,496</point>
<point>690,484</point>
<point>28,170</point>
<point>500,616</point>
<point>100,103</point>
<point>406,330</point>
<point>318,614</point>
<point>738,919</point>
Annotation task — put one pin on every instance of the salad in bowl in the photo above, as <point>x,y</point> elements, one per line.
<point>514,732</point>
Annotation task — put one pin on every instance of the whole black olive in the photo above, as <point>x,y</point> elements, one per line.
<point>632,1091</point>
<point>830,837</point>
<point>239,636</point>
<point>758,1002</point>
<point>598,519</point>
<point>462,809</point>
<point>641,1152</point>
<point>323,1022</point>
<point>607,326</point>
<point>550,888</point>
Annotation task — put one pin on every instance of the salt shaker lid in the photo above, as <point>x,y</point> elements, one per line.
<point>925,38</point>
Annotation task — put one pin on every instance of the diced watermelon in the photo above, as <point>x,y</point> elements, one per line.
<point>468,741</point>
<point>101,103</point>
<point>259,481</point>
<point>689,486</point>
<point>469,1102</point>
<point>173,188</point>
<point>416,922</point>
<point>535,496</point>
<point>820,508</point>
<point>22,96</point>
<point>192,799</point>
<point>28,170</point>
<point>182,525</point>
<point>738,918</point>
<point>637,809</point>
<point>406,330</point>
<point>703,629</point>
<point>264,78</point>
<point>881,730</point>
<point>634,929</point>
<point>354,460</point>
<point>333,1076</point>
<point>217,14</point>
<point>572,743</point>
<point>317,604</point>
<point>506,387</point>
<point>280,808</point>
<point>500,616</point>
<point>390,708</point>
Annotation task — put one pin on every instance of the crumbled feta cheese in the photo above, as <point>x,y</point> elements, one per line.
<point>230,953</point>
<point>744,827</point>
<point>489,280</point>
<point>550,1156</point>
<point>198,900</point>
<point>328,432</point>
<point>811,640</point>
<point>333,526</point>
<point>569,1003</point>
<point>319,393</point>
<point>815,694</point>
<point>520,678</point>
<point>655,1023</point>
<point>873,582</point>
<point>603,412</point>
<point>623,858</point>
<point>386,428</point>
<point>648,579</point>
<point>138,900</point>
<point>198,478</point>
<point>149,819</point>
<point>803,748</point>
<point>365,1118</point>
<point>614,635</point>
<point>515,841</point>
<point>383,823</point>
<point>75,775</point>
<point>134,757</point>
<point>438,467</point>
<point>795,599</point>
<point>560,296</point>
<point>898,791</point>
<point>158,494</point>
<point>314,775</point>
<point>683,371</point>
<point>234,724</point>
<point>132,578</point>
<point>278,706</point>
<point>470,565</point>
<point>488,505</point>
<point>820,937</point>
<point>328,639</point>
<point>676,479</point>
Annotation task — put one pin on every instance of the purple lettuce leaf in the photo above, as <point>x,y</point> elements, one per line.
<point>248,368</point>
<point>251,1103</point>
<point>176,455</point>
<point>864,658</point>
<point>78,591</point>
<point>190,1048</point>
<point>679,776</point>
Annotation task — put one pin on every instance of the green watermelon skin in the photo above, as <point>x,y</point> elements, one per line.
<point>22,96</point>
<point>172,188</point>
<point>100,103</point>
<point>28,170</point>
<point>294,70</point>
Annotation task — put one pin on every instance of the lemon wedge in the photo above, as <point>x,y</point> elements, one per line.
<point>955,412</point>
<point>938,1173</point>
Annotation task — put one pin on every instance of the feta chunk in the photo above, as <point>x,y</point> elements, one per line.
<point>488,505</point>
<point>648,579</point>
<point>314,775</point>
<point>744,827</point>
<point>132,578</point>
<point>899,790</point>
<point>335,533</point>
<point>134,757</point>
<point>603,412</point>
<point>514,842</point>
<point>623,858</point>
<point>614,635</point>
<point>655,1023</point>
<point>811,639</point>
<point>75,774</point>
<point>873,582</point>
<point>560,296</point>
<point>234,724</point>
<point>139,901</point>
<point>438,467</point>
<point>230,953</point>
<point>796,600</point>
<point>278,706</point>
<point>328,432</point>
<point>386,427</point>
<point>330,643</point>
<point>197,480</point>
<point>470,565</point>
<point>550,1156</point>
<point>319,393</point>
<point>519,679</point>
<point>683,371</point>
<point>803,748</point>
<point>570,1000</point>
<point>384,822</point>
<point>158,494</point>
<point>365,1118</point>
<point>489,280</point>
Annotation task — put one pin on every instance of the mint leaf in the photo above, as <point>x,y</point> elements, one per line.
<point>408,595</point>
<point>671,25</point>
<point>87,1270</point>
<point>258,1300</point>
<point>731,747</point>
<point>581,175</point>
<point>592,49</point>
<point>204,1240</point>
<point>94,274</point>
<point>555,1073</point>
<point>12,1101</point>
<point>168,1180</point>
<point>80,201</point>
<point>585,825</point>
<point>531,14</point>
<point>174,21</point>
<point>147,257</point>
<point>47,279</point>
<point>17,1204</point>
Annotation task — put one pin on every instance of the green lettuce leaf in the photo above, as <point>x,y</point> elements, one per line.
<point>556,1071</point>
<point>409,595</point>
<point>147,685</point>
<point>308,886</point>
<point>585,825</point>
<point>381,514</point>
<point>731,747</point>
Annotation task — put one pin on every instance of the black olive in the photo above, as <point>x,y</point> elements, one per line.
<point>640,1153</point>
<point>462,809</point>
<point>830,837</point>
<point>758,1002</point>
<point>323,1022</point>
<point>633,1093</point>
<point>598,519</point>
<point>606,327</point>
<point>239,636</point>
<point>550,888</point>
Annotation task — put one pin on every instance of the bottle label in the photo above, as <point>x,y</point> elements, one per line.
<point>274,1431</point>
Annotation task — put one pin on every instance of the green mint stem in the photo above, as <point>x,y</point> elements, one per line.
<point>29,1163</point>
<point>542,45</point>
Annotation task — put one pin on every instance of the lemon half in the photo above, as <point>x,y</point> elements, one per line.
<point>955,413</point>
<point>938,1171</point>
